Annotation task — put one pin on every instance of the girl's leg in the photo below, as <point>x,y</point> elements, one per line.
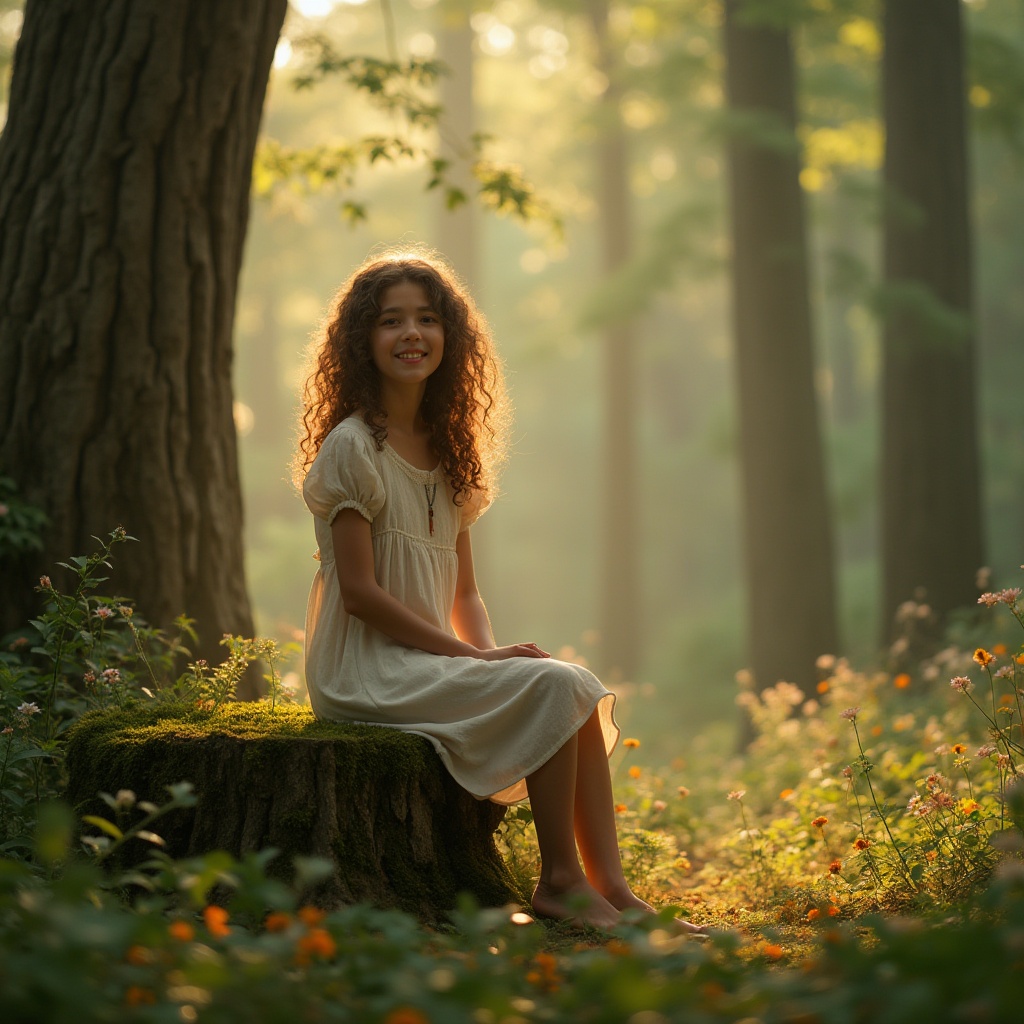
<point>563,890</point>
<point>594,820</point>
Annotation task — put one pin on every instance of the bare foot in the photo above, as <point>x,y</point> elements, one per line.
<point>580,903</point>
<point>628,900</point>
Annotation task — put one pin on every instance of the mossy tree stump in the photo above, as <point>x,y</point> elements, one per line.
<point>376,802</point>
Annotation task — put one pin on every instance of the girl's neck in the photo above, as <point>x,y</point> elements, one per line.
<point>403,409</point>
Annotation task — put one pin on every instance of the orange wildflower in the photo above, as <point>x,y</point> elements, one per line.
<point>635,772</point>
<point>136,995</point>
<point>835,867</point>
<point>181,930</point>
<point>876,730</point>
<point>823,686</point>
<point>277,921</point>
<point>216,921</point>
<point>1006,699</point>
<point>138,956</point>
<point>820,822</point>
<point>631,743</point>
<point>999,649</point>
<point>545,975</point>
<point>832,911</point>
<point>786,794</point>
<point>311,916</point>
<point>772,951</point>
<point>406,1015</point>
<point>621,808</point>
<point>959,748</point>
<point>902,681</point>
<point>813,914</point>
<point>861,843</point>
<point>983,658</point>
<point>969,806</point>
<point>318,943</point>
<point>683,791</point>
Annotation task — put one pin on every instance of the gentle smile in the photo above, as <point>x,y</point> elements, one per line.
<point>411,355</point>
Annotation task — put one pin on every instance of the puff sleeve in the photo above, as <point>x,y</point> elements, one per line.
<point>343,475</point>
<point>474,506</point>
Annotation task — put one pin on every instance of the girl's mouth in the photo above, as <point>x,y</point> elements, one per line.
<point>411,357</point>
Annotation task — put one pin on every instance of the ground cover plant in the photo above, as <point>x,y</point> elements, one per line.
<point>861,861</point>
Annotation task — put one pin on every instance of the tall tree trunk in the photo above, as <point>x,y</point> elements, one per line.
<point>620,585</point>
<point>931,505</point>
<point>124,191</point>
<point>787,522</point>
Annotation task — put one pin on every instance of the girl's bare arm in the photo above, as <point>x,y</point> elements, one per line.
<point>364,598</point>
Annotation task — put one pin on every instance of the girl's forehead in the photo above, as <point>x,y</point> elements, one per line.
<point>404,294</point>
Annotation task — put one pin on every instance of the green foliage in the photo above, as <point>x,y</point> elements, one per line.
<point>21,524</point>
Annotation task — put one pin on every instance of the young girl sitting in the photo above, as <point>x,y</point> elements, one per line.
<point>404,426</point>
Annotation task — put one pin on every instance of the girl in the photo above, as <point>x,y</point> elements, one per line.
<point>404,426</point>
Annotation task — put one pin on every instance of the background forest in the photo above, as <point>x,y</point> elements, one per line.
<point>616,116</point>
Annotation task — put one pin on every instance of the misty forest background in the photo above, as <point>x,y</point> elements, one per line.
<point>617,115</point>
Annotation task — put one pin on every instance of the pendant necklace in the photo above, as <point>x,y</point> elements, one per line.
<point>431,493</point>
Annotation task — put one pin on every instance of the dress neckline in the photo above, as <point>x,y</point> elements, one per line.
<point>415,471</point>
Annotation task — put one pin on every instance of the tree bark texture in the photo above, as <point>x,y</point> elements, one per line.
<point>376,802</point>
<point>931,505</point>
<point>124,190</point>
<point>787,529</point>
<point>620,616</point>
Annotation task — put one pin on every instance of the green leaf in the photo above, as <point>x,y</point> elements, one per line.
<point>104,826</point>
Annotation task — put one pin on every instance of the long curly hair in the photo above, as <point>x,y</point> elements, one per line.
<point>465,405</point>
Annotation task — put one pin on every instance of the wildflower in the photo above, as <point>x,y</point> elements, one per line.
<point>136,995</point>
<point>4,509</point>
<point>931,855</point>
<point>999,650</point>
<point>961,761</point>
<point>1003,762</point>
<point>969,806</point>
<point>986,750</point>
<point>44,583</point>
<point>311,916</point>
<point>635,772</point>
<point>138,956</point>
<point>822,687</point>
<point>860,843</point>
<point>876,730</point>
<point>850,714</point>
<point>942,800</point>
<point>961,683</point>
<point>124,798</point>
<point>1009,596</point>
<point>1006,672</point>
<point>181,930</point>
<point>126,610</point>
<point>103,612</point>
<point>683,791</point>
<point>28,708</point>
<point>835,867</point>
<point>902,681</point>
<point>736,794</point>
<point>546,974</point>
<point>277,921</point>
<point>813,914</point>
<point>216,921</point>
<point>7,730</point>
<point>1006,698</point>
<point>847,772</point>
<point>958,748</point>
<point>111,676</point>
<point>786,794</point>
<point>772,950</point>
<point>406,1015</point>
<point>631,743</point>
<point>621,808</point>
<point>318,943</point>
<point>89,677</point>
<point>18,642</point>
<point>659,805</point>
<point>833,911</point>
<point>983,658</point>
<point>820,822</point>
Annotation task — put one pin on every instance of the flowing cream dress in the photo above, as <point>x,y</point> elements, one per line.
<point>491,722</point>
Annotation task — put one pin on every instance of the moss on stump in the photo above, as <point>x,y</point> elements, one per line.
<point>377,802</point>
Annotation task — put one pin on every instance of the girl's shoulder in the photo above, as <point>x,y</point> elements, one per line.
<point>352,427</point>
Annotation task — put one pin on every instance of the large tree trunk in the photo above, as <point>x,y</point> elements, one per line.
<point>931,506</point>
<point>787,520</point>
<point>620,579</point>
<point>124,191</point>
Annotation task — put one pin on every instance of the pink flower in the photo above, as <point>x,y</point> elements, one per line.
<point>103,612</point>
<point>89,677</point>
<point>961,683</point>
<point>850,714</point>
<point>986,750</point>
<point>111,675</point>
<point>28,708</point>
<point>736,794</point>
<point>44,582</point>
<point>989,599</point>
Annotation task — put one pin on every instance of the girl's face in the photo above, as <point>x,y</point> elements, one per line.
<point>407,340</point>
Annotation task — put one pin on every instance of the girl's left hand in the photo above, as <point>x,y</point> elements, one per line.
<point>512,651</point>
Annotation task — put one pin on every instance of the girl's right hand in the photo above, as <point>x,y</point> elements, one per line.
<point>512,651</point>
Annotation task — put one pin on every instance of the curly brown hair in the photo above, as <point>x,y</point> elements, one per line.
<point>465,406</point>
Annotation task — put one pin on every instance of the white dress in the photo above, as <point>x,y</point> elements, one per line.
<point>491,722</point>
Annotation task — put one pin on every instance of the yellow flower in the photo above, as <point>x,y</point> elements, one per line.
<point>958,748</point>
<point>635,772</point>
<point>969,806</point>
<point>631,744</point>
<point>982,657</point>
